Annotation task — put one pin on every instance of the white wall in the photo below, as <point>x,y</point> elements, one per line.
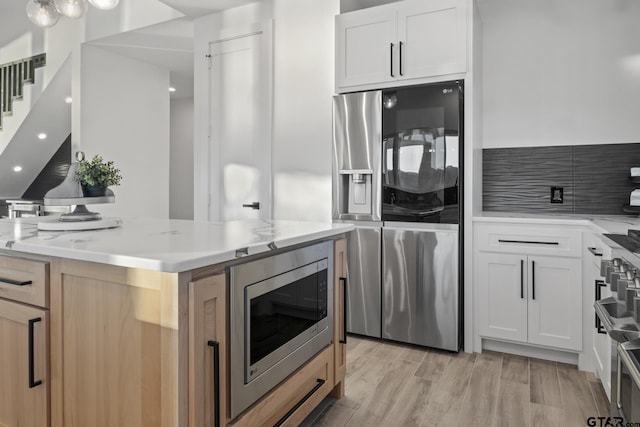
<point>560,72</point>
<point>125,118</point>
<point>302,108</point>
<point>303,88</point>
<point>181,159</point>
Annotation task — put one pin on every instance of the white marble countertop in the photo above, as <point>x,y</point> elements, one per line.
<point>599,224</point>
<point>162,244</point>
<point>618,224</point>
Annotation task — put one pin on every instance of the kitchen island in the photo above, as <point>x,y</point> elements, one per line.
<point>115,327</point>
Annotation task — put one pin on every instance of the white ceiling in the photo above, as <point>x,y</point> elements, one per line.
<point>167,45</point>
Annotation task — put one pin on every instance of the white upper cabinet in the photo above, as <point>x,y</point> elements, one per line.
<point>364,44</point>
<point>400,43</point>
<point>431,38</point>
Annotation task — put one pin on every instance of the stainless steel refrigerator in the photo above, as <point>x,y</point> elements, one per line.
<point>397,174</point>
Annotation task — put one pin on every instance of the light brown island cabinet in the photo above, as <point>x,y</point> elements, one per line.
<point>133,347</point>
<point>24,342</point>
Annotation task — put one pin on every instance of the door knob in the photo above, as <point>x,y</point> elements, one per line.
<point>254,205</point>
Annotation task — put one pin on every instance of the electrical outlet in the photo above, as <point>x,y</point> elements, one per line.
<point>557,195</point>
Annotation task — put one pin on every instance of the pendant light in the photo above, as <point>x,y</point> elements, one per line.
<point>72,8</point>
<point>42,13</point>
<point>104,4</point>
<point>45,13</point>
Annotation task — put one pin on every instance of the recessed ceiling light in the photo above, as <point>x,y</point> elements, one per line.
<point>68,100</point>
<point>42,135</point>
<point>172,89</point>
<point>17,168</point>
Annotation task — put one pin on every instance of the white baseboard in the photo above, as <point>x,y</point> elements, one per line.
<point>530,351</point>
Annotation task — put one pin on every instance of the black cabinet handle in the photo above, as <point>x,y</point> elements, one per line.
<point>522,278</point>
<point>32,368</point>
<point>254,205</point>
<point>391,56</point>
<point>344,310</point>
<point>216,381</point>
<point>533,280</point>
<point>400,58</point>
<point>15,282</point>
<point>594,251</point>
<point>528,242</point>
<point>320,383</point>
<point>598,296</point>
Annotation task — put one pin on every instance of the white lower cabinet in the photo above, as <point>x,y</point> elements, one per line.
<point>531,299</point>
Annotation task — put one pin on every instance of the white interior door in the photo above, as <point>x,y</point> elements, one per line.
<point>240,134</point>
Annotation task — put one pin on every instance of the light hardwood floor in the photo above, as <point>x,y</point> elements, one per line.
<point>391,384</point>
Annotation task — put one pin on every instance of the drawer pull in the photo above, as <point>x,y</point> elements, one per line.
<point>32,382</point>
<point>216,381</point>
<point>301,402</point>
<point>15,282</point>
<point>528,242</point>
<point>594,251</point>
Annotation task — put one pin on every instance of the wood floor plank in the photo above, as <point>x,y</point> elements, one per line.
<point>603,405</point>
<point>359,357</point>
<point>433,365</point>
<point>515,369</point>
<point>388,351</point>
<point>482,398</point>
<point>513,404</point>
<point>336,415</point>
<point>412,353</point>
<point>546,416</point>
<point>411,404</point>
<point>543,381</point>
<point>447,393</point>
<point>578,402</point>
<point>380,402</point>
<point>362,383</point>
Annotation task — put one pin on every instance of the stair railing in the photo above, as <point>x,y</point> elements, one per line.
<point>13,77</point>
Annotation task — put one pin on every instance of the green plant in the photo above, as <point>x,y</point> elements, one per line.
<point>97,172</point>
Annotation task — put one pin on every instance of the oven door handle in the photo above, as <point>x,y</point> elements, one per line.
<point>598,296</point>
<point>606,321</point>
<point>625,358</point>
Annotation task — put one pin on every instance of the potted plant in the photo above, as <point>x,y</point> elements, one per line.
<point>96,175</point>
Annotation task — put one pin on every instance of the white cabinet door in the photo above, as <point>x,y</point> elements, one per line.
<point>503,296</point>
<point>555,302</point>
<point>365,45</point>
<point>431,38</point>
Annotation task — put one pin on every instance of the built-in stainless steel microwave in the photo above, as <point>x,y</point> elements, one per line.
<point>281,316</point>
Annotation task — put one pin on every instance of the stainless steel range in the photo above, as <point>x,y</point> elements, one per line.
<point>620,317</point>
<point>281,316</point>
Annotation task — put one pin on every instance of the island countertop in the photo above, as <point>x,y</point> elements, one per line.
<point>165,245</point>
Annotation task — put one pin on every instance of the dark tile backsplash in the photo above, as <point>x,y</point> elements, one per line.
<point>594,178</point>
